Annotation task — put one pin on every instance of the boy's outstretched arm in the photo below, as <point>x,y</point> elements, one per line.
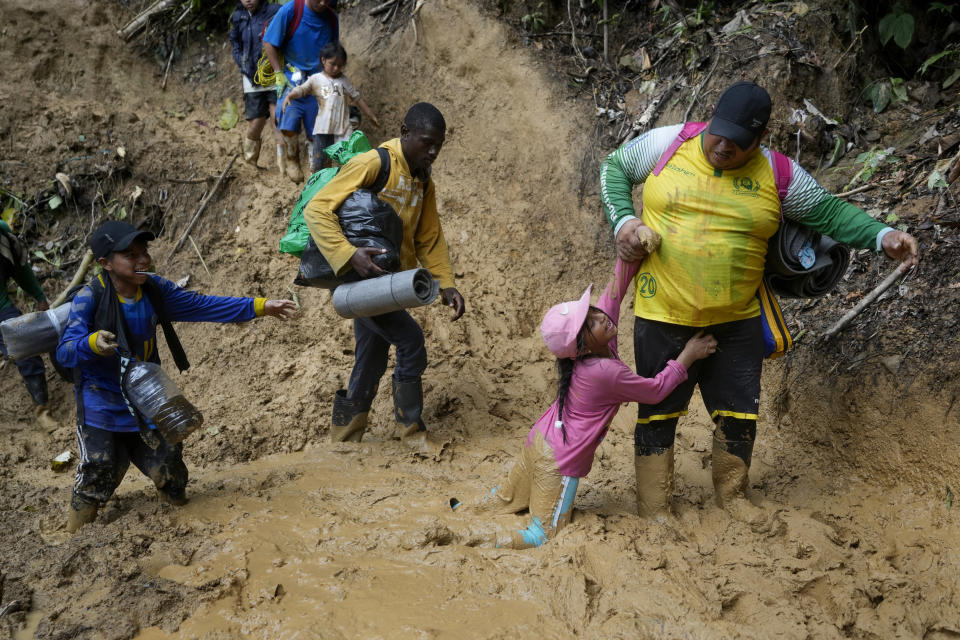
<point>189,306</point>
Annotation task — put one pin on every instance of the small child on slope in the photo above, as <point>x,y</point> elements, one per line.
<point>594,382</point>
<point>330,87</point>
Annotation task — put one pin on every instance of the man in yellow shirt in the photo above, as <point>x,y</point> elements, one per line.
<point>715,204</point>
<point>411,192</point>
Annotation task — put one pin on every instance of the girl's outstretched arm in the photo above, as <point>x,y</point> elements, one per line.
<point>612,296</point>
<point>366,111</point>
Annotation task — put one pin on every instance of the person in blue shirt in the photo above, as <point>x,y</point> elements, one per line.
<point>301,57</point>
<point>108,435</point>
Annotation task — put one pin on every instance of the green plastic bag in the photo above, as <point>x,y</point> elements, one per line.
<point>295,241</point>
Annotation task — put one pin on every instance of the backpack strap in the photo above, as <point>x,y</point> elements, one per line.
<point>384,174</point>
<point>292,27</point>
<point>689,130</point>
<point>782,175</point>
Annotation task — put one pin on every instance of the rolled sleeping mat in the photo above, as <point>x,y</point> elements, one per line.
<point>832,261</point>
<point>383,294</point>
<point>34,333</point>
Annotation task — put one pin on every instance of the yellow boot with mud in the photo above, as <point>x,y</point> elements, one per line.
<point>407,409</point>
<point>79,515</point>
<point>291,152</point>
<point>730,479</point>
<point>654,482</point>
<point>348,424</point>
<point>45,419</point>
<point>251,151</point>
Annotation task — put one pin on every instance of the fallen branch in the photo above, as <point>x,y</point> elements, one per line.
<point>381,8</point>
<point>166,70</point>
<point>77,279</point>
<point>138,23</point>
<point>203,206</point>
<point>199,255</point>
<point>870,297</point>
<point>844,194</point>
<point>696,93</point>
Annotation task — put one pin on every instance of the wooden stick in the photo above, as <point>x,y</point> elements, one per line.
<point>380,8</point>
<point>870,297</point>
<point>844,194</point>
<point>77,278</point>
<point>166,70</point>
<point>701,86</point>
<point>141,20</point>
<point>202,207</point>
<point>605,27</point>
<point>199,255</point>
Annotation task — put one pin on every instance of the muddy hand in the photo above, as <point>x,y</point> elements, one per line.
<point>106,342</point>
<point>280,309</point>
<point>901,246</point>
<point>452,298</point>
<point>630,247</point>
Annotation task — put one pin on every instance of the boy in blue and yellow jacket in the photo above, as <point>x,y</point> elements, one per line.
<point>108,435</point>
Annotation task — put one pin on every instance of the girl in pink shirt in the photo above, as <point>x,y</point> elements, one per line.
<point>594,382</point>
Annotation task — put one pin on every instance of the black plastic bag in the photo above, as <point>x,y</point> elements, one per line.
<point>366,221</point>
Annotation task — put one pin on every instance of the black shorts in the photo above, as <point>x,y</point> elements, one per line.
<point>257,105</point>
<point>729,379</point>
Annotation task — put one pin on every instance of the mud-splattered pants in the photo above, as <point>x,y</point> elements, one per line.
<point>373,337</point>
<point>534,483</point>
<point>105,457</point>
<point>729,384</point>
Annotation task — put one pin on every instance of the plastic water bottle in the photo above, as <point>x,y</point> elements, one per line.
<point>34,333</point>
<point>160,401</point>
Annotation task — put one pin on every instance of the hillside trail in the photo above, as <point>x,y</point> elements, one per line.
<point>289,536</point>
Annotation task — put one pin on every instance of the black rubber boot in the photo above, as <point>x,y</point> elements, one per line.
<point>37,386</point>
<point>348,423</point>
<point>408,411</point>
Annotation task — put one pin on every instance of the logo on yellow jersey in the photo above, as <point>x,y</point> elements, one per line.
<point>746,186</point>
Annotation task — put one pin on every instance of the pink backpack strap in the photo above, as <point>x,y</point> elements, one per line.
<point>690,130</point>
<point>782,175</point>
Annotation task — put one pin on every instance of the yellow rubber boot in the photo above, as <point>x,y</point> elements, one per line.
<point>251,151</point>
<point>654,483</point>
<point>730,479</point>
<point>292,159</point>
<point>77,517</point>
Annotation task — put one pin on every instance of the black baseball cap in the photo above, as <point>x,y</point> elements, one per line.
<point>741,113</point>
<point>115,235</point>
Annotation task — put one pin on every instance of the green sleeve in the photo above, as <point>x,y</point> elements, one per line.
<point>844,223</point>
<point>28,282</point>
<point>615,191</point>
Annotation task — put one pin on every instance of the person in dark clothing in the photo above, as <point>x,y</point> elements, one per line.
<point>15,264</point>
<point>247,23</point>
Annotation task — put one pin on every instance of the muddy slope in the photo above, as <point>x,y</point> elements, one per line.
<point>290,536</point>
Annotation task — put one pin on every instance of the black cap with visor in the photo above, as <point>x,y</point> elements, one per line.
<point>115,235</point>
<point>741,114</point>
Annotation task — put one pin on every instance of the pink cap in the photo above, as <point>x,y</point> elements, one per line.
<point>562,324</point>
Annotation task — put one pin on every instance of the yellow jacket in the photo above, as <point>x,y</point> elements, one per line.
<point>423,239</point>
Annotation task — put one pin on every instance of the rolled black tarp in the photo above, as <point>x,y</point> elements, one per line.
<point>795,244</point>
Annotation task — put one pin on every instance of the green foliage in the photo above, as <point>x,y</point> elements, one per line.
<point>871,160</point>
<point>534,21</point>
<point>229,116</point>
<point>881,93</point>
<point>949,54</point>
<point>899,25</point>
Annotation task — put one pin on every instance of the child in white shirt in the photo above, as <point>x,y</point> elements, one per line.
<point>330,87</point>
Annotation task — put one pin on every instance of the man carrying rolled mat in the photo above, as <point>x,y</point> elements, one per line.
<point>411,192</point>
